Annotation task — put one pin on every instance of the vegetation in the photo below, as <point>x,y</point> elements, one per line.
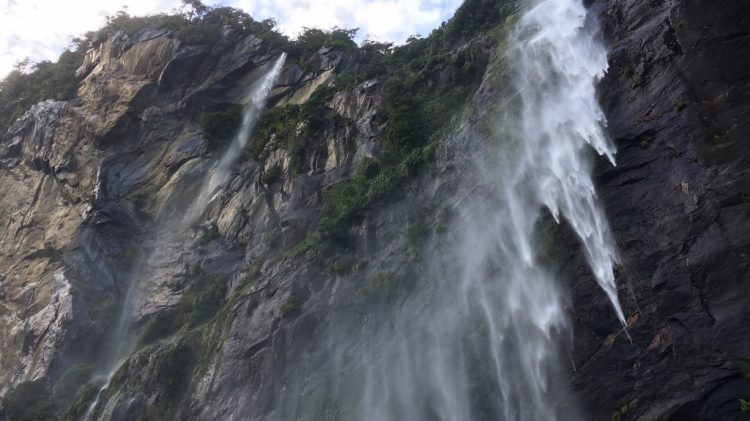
<point>172,366</point>
<point>219,127</point>
<point>208,235</point>
<point>200,321</point>
<point>196,23</point>
<point>290,306</point>
<point>174,373</point>
<point>29,401</point>
<point>445,214</point>
<point>292,126</point>
<point>71,381</point>
<point>312,39</point>
<point>621,412</point>
<point>278,122</point>
<point>272,175</point>
<point>744,406</point>
<point>343,265</point>
<point>744,363</point>
<point>104,311</point>
<point>85,396</point>
<point>28,84</point>
<point>198,305</point>
<point>417,231</point>
<point>381,286</point>
<point>427,81</point>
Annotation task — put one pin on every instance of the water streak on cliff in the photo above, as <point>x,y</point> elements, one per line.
<point>481,333</point>
<point>170,232</point>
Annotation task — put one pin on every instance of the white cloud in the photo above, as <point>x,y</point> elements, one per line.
<point>41,29</point>
<point>383,20</point>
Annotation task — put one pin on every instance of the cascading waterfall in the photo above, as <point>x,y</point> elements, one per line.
<point>480,334</point>
<point>558,61</point>
<point>253,108</point>
<point>169,233</point>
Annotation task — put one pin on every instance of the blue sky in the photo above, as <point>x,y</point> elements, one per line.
<point>41,29</point>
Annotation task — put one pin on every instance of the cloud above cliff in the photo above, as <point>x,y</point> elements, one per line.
<point>383,20</point>
<point>42,29</point>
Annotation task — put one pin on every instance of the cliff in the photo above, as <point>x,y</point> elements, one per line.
<point>344,196</point>
<point>676,97</point>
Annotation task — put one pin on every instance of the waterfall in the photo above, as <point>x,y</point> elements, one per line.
<point>558,61</point>
<point>169,233</point>
<point>255,103</point>
<point>481,333</point>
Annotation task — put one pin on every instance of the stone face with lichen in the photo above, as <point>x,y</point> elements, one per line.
<point>85,183</point>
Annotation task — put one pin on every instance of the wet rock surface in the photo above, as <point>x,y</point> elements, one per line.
<point>85,182</point>
<point>677,97</point>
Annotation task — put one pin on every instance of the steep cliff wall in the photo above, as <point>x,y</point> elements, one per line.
<point>91,181</point>
<point>676,97</point>
<point>228,311</point>
<point>84,180</point>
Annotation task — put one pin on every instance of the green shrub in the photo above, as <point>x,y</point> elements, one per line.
<point>174,373</point>
<point>417,230</point>
<point>272,175</point>
<point>83,399</point>
<point>44,80</point>
<point>443,217</point>
<point>71,381</point>
<point>621,412</point>
<point>290,306</point>
<point>313,39</point>
<point>345,202</point>
<point>280,122</point>
<point>29,401</point>
<point>198,304</point>
<point>312,110</point>
<point>405,128</point>
<point>198,34</point>
<point>208,235</point>
<point>744,363</point>
<point>220,126</point>
<point>105,312</point>
<point>427,81</point>
<point>343,205</point>
<point>343,265</point>
<point>292,125</point>
<point>367,169</point>
<point>381,286</point>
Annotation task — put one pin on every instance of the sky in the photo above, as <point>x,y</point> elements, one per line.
<point>42,29</point>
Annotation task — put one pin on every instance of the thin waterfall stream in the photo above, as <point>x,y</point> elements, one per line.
<point>253,110</point>
<point>483,331</point>
<point>169,232</point>
<point>391,210</point>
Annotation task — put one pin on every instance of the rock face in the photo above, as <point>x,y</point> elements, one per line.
<point>83,181</point>
<point>677,97</point>
<point>87,183</point>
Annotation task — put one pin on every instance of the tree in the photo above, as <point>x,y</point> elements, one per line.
<point>198,9</point>
<point>28,401</point>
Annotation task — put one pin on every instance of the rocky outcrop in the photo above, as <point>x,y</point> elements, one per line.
<point>84,180</point>
<point>228,306</point>
<point>677,97</point>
